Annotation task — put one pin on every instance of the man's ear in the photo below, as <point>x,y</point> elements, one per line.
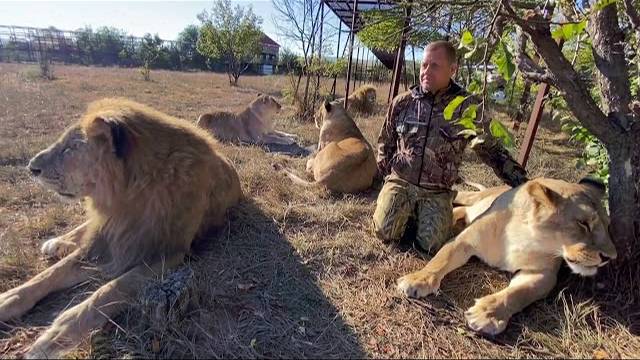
<point>454,69</point>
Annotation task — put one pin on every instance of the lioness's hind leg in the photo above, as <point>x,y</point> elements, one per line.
<point>61,246</point>
<point>73,325</point>
<point>276,139</point>
<point>490,314</point>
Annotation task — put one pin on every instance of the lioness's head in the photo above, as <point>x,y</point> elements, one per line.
<point>332,111</point>
<point>265,105</point>
<point>89,155</point>
<point>573,217</point>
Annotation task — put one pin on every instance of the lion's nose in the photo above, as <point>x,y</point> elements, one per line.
<point>35,170</point>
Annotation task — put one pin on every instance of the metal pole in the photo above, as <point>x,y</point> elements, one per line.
<point>352,34</point>
<point>534,121</point>
<point>355,70</point>
<point>366,67</point>
<point>317,89</point>
<point>413,55</point>
<point>397,70</point>
<point>335,77</point>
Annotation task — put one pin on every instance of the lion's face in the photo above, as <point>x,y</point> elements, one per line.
<point>83,162</point>
<point>265,105</point>
<point>371,96</point>
<point>64,166</point>
<point>588,245</point>
<point>581,225</point>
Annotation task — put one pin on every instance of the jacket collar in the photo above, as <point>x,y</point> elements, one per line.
<point>452,89</point>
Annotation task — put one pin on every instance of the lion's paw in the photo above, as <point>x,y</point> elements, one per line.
<point>12,305</point>
<point>418,284</point>
<point>57,248</point>
<point>487,316</point>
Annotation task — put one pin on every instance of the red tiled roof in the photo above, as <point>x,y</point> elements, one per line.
<point>268,41</point>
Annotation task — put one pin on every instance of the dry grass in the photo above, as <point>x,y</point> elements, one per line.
<point>295,273</point>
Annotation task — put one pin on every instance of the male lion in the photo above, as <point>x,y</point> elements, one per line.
<point>527,230</point>
<point>344,161</point>
<point>253,125</point>
<point>152,184</point>
<point>362,100</point>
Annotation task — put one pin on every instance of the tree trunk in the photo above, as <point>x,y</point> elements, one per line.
<point>624,195</point>
<point>608,54</point>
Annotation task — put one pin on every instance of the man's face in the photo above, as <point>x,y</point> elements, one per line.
<point>436,71</point>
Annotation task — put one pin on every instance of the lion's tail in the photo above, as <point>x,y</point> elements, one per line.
<point>480,187</point>
<point>295,178</point>
<point>298,180</point>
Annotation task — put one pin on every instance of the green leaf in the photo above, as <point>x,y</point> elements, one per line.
<point>569,31</point>
<point>499,131</point>
<point>599,5</point>
<point>466,40</point>
<point>475,87</point>
<point>468,118</point>
<point>471,53</point>
<point>452,106</point>
<point>504,61</point>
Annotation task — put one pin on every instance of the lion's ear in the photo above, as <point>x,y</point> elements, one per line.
<point>259,94</point>
<point>543,195</point>
<point>594,187</point>
<point>327,105</point>
<point>114,133</point>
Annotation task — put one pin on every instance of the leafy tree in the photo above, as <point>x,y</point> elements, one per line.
<point>232,35</point>
<point>148,53</point>
<point>187,43</point>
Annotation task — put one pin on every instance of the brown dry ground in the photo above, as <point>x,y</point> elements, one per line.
<point>296,273</point>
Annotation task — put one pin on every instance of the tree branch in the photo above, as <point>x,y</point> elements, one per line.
<point>565,77</point>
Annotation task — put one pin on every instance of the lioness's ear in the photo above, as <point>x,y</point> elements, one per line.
<point>542,194</point>
<point>114,133</point>
<point>327,105</point>
<point>594,187</point>
<point>259,94</point>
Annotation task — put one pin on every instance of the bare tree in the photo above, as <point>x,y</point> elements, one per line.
<point>300,22</point>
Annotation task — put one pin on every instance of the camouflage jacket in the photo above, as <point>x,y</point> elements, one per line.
<point>418,145</point>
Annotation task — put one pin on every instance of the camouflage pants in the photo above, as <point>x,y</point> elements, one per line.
<point>400,201</point>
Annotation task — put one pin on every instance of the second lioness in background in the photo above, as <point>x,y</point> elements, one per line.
<point>252,125</point>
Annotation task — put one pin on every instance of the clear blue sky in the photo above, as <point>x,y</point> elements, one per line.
<point>167,18</point>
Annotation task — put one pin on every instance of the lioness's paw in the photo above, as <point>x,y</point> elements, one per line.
<point>487,316</point>
<point>12,305</point>
<point>418,285</point>
<point>57,248</point>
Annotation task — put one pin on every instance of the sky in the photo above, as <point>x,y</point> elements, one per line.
<point>166,18</point>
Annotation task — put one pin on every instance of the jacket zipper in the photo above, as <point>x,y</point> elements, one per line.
<point>426,138</point>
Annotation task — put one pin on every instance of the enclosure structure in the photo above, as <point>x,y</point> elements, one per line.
<point>269,56</point>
